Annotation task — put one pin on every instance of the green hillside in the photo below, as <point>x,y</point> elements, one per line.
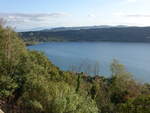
<point>30,83</point>
<point>114,34</point>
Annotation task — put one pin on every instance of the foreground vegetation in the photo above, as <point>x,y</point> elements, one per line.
<point>30,83</point>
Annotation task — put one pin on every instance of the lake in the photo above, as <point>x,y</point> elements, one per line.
<point>135,56</point>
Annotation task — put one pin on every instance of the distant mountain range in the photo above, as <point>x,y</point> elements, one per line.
<point>80,28</point>
<point>70,28</point>
<point>90,33</point>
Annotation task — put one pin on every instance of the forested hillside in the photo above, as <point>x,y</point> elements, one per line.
<point>30,83</point>
<point>114,34</point>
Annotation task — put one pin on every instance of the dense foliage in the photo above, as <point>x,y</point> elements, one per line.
<point>30,83</point>
<point>122,34</point>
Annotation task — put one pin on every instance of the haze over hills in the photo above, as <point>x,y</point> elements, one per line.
<point>90,33</point>
<point>79,28</point>
<point>71,28</point>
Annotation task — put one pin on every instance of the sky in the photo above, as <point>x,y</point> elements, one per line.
<point>31,14</point>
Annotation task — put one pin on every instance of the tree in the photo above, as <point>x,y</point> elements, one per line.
<point>11,50</point>
<point>78,83</point>
<point>140,104</point>
<point>7,86</point>
<point>123,86</point>
<point>55,97</point>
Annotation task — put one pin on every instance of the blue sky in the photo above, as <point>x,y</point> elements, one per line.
<point>28,14</point>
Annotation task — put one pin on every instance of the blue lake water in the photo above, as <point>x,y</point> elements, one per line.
<point>135,56</point>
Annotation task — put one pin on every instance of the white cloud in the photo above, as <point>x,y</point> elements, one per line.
<point>92,15</point>
<point>133,19</point>
<point>138,15</point>
<point>132,15</point>
<point>134,1</point>
<point>31,20</point>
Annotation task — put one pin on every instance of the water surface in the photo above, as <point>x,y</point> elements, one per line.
<point>135,56</point>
